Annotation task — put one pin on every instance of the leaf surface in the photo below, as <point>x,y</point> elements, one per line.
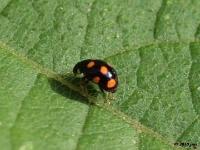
<point>154,46</point>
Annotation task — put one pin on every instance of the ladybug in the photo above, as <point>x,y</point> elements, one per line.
<point>99,72</point>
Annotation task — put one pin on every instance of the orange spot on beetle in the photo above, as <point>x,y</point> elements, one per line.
<point>90,64</point>
<point>111,83</point>
<point>96,79</point>
<point>104,70</point>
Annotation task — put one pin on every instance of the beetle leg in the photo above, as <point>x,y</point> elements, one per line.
<point>85,80</point>
<point>109,98</point>
<point>101,89</point>
<point>83,84</point>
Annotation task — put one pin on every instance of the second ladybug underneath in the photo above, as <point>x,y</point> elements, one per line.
<point>99,72</point>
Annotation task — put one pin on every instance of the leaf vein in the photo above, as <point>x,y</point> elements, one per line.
<point>188,128</point>
<point>83,129</point>
<point>89,14</point>
<point>18,112</point>
<point>189,80</point>
<point>158,16</point>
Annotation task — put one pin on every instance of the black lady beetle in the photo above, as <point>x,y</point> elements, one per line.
<point>99,72</point>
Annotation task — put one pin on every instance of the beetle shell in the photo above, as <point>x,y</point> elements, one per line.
<point>99,72</point>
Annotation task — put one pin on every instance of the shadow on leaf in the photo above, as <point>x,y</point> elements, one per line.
<point>65,91</point>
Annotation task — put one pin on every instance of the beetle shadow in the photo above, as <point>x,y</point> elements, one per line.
<point>65,91</point>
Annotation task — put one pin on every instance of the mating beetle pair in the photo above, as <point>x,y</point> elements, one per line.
<point>99,72</point>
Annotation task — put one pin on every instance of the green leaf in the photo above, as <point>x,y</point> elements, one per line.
<point>154,46</point>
